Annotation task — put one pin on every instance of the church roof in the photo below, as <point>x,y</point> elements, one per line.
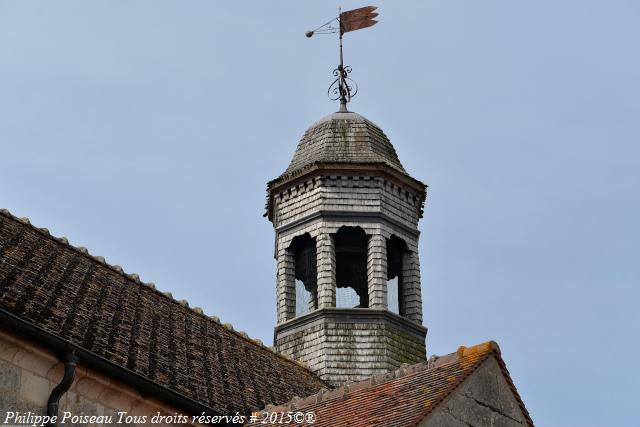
<point>60,291</point>
<point>64,295</point>
<point>343,137</point>
<point>401,398</point>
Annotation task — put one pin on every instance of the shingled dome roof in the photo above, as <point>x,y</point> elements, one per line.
<point>344,137</point>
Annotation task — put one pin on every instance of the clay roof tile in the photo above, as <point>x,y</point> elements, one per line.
<point>98,307</point>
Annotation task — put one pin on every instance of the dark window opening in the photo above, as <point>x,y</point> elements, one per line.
<point>396,248</point>
<point>351,268</point>
<point>304,252</point>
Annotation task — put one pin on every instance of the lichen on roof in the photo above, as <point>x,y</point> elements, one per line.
<point>344,137</point>
<point>412,390</point>
<point>67,292</point>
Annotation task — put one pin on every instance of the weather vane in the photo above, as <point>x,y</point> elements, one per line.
<point>344,88</point>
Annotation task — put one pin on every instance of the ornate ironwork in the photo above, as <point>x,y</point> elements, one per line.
<point>326,28</point>
<point>343,87</point>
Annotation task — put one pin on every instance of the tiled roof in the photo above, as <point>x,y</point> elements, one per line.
<point>343,137</point>
<point>401,398</point>
<point>68,293</point>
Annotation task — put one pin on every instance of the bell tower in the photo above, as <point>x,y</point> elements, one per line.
<point>345,214</point>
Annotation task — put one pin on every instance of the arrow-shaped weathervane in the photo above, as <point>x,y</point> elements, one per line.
<point>343,88</point>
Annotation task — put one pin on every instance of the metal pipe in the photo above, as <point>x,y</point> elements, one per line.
<point>342,83</point>
<point>70,362</point>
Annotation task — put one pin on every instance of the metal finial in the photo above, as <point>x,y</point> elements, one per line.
<point>343,87</point>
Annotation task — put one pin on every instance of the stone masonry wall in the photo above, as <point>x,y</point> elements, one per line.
<point>29,372</point>
<point>483,400</point>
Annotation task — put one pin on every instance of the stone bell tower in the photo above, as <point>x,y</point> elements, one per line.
<point>346,214</point>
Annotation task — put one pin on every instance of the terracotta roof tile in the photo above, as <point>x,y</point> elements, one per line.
<point>401,398</point>
<point>71,294</point>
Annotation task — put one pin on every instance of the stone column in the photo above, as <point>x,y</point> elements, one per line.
<point>286,286</point>
<point>326,270</point>
<point>411,285</point>
<point>377,271</point>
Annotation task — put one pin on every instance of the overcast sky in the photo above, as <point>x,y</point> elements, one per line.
<point>146,131</point>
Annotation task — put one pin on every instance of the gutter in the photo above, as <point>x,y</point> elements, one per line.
<point>144,385</point>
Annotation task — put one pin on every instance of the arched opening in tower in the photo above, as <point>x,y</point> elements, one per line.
<point>396,250</point>
<point>304,252</point>
<point>351,268</point>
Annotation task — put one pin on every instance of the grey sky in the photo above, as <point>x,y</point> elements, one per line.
<point>146,131</point>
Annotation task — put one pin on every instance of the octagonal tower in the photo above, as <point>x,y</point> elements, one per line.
<point>346,214</point>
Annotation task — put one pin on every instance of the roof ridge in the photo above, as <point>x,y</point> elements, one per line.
<point>435,361</point>
<point>514,390</point>
<point>136,279</point>
<point>483,350</point>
